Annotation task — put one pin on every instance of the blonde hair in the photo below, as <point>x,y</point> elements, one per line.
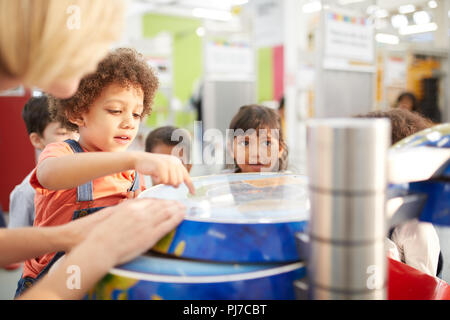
<point>42,41</point>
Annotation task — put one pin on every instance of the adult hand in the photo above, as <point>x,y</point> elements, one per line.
<point>134,226</point>
<point>76,231</point>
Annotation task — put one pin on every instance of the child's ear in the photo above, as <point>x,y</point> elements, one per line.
<point>36,141</point>
<point>77,120</point>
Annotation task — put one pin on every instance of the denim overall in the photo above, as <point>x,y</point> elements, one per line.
<point>84,195</point>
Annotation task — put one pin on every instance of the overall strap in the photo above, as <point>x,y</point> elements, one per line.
<point>135,184</point>
<point>85,191</point>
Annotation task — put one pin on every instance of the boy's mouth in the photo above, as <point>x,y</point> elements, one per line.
<point>122,139</point>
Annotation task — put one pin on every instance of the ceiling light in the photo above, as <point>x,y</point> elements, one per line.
<point>432,4</point>
<point>345,2</point>
<point>418,28</point>
<point>211,14</point>
<point>399,21</point>
<point>408,8</point>
<point>200,31</point>
<point>312,7</point>
<point>381,13</point>
<point>421,17</point>
<point>387,38</point>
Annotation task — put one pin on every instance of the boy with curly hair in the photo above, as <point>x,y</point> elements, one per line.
<point>74,179</point>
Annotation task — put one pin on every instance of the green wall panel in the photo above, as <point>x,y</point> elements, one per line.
<point>187,49</point>
<point>265,74</point>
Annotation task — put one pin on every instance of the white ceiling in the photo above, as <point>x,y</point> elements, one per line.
<point>394,4</point>
<point>208,4</point>
<point>226,5</point>
<point>185,7</point>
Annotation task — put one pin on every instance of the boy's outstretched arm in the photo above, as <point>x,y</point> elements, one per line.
<point>70,171</point>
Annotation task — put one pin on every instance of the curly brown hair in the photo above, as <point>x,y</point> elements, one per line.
<point>125,67</point>
<point>403,122</point>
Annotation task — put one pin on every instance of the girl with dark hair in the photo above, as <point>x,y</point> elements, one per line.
<point>257,143</point>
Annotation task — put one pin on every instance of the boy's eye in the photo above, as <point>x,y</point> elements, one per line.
<point>114,111</point>
<point>137,115</point>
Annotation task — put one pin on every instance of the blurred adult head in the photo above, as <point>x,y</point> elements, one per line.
<point>51,44</point>
<point>408,101</point>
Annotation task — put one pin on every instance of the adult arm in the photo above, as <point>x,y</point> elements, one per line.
<point>134,228</point>
<point>20,244</point>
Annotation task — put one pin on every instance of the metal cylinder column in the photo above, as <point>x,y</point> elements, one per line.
<point>347,172</point>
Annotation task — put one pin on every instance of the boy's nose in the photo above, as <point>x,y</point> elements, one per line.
<point>127,121</point>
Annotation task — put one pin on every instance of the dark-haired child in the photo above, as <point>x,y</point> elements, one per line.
<point>403,122</point>
<point>42,130</point>
<point>414,243</point>
<point>166,140</point>
<point>257,142</point>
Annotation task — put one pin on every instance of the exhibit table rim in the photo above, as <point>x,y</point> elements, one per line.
<point>207,279</point>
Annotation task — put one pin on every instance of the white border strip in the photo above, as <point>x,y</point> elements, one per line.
<point>206,279</point>
<point>241,221</point>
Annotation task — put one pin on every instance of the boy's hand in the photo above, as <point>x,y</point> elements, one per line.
<point>164,169</point>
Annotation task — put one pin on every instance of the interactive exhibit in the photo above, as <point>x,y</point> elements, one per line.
<point>287,236</point>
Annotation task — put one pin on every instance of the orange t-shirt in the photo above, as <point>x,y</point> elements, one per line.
<point>54,208</point>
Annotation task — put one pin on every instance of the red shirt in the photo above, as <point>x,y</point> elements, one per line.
<point>56,207</point>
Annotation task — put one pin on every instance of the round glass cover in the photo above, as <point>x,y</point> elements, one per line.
<point>241,198</point>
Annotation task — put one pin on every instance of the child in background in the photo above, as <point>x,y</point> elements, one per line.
<point>41,131</point>
<point>257,144</point>
<point>414,243</point>
<point>74,179</point>
<point>166,140</point>
<point>403,122</point>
